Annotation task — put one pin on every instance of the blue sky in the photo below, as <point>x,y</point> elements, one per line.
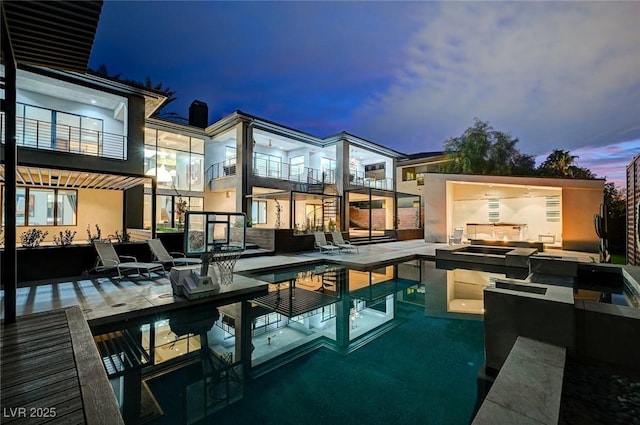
<point>407,75</point>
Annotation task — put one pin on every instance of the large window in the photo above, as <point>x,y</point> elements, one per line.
<point>167,214</point>
<point>49,129</point>
<point>259,212</point>
<point>297,166</point>
<point>45,207</point>
<point>267,165</point>
<point>177,161</point>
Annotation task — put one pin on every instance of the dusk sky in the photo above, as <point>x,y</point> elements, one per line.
<point>406,75</point>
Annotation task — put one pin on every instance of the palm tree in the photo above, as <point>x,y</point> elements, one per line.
<point>558,163</point>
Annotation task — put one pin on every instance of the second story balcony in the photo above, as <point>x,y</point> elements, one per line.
<point>38,134</point>
<point>275,170</point>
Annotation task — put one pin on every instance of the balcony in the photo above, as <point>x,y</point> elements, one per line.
<point>294,173</point>
<point>44,135</point>
<point>361,179</point>
<point>226,168</point>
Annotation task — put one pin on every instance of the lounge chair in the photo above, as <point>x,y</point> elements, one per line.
<point>108,259</point>
<point>339,241</point>
<point>456,237</point>
<point>322,244</point>
<point>162,256</point>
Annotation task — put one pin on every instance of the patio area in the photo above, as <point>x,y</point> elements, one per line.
<point>105,299</point>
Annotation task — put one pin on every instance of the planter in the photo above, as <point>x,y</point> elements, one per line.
<point>408,234</point>
<point>55,262</point>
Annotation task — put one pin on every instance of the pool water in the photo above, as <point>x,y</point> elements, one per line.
<point>421,372</point>
<point>328,345</point>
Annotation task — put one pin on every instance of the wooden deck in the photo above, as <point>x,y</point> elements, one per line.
<point>51,372</point>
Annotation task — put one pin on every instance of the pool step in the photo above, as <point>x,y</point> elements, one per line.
<point>364,240</point>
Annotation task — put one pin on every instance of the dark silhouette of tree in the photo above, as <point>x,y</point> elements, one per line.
<point>483,150</point>
<point>615,200</point>
<point>102,71</point>
<point>560,163</point>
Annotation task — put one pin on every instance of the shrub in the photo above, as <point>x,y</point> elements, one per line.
<point>32,238</point>
<point>65,238</point>
<point>123,237</point>
<point>93,237</point>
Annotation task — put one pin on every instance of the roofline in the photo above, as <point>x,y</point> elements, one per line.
<point>175,125</point>
<point>351,138</point>
<point>92,79</point>
<point>237,116</point>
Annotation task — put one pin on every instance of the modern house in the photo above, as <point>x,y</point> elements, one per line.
<point>80,150</point>
<point>633,212</point>
<point>286,179</point>
<point>557,212</point>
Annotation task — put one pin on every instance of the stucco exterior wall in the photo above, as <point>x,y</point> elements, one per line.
<point>578,208</point>
<point>101,207</point>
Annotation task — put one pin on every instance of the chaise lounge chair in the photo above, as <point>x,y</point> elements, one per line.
<point>108,259</point>
<point>162,256</point>
<point>339,241</point>
<point>322,244</point>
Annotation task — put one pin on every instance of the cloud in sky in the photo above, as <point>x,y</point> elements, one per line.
<point>407,75</point>
<point>552,74</point>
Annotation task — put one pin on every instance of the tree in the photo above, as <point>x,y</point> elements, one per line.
<point>148,84</point>
<point>561,163</point>
<point>483,150</point>
<point>615,200</point>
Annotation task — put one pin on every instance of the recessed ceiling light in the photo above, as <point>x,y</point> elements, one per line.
<point>93,101</point>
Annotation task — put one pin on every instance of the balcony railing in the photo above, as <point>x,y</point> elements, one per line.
<point>63,138</point>
<point>273,169</point>
<point>294,173</point>
<point>360,179</point>
<point>222,169</point>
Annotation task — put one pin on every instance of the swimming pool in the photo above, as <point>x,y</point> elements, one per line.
<point>328,344</point>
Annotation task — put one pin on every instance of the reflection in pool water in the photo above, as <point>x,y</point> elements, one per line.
<point>200,361</point>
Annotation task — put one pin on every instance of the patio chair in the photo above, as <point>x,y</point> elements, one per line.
<point>322,244</point>
<point>456,237</point>
<point>339,241</point>
<point>108,259</point>
<point>162,256</point>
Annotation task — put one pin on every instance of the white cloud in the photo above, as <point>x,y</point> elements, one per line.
<point>555,75</point>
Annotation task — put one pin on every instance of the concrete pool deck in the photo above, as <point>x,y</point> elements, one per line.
<point>104,299</point>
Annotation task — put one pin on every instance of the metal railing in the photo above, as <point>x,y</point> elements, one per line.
<point>294,173</point>
<point>64,138</point>
<point>273,169</point>
<point>360,179</point>
<point>225,168</point>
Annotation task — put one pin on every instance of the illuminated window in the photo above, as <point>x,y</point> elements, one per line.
<point>259,212</point>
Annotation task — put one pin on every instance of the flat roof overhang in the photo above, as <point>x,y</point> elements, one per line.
<point>55,34</point>
<point>71,179</point>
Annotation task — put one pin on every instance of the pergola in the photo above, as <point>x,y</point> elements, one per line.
<point>53,34</point>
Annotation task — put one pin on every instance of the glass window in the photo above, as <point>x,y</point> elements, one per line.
<point>196,172</point>
<point>67,132</point>
<point>37,127</point>
<point>41,207</point>
<point>197,145</point>
<point>150,136</point>
<point>182,170</point>
<point>173,141</point>
<point>297,165</point>
<point>408,174</point>
<point>196,204</point>
<point>259,212</point>
<point>67,207</point>
<point>164,211</point>
<point>90,136</point>
<point>21,205</point>
<point>165,171</point>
